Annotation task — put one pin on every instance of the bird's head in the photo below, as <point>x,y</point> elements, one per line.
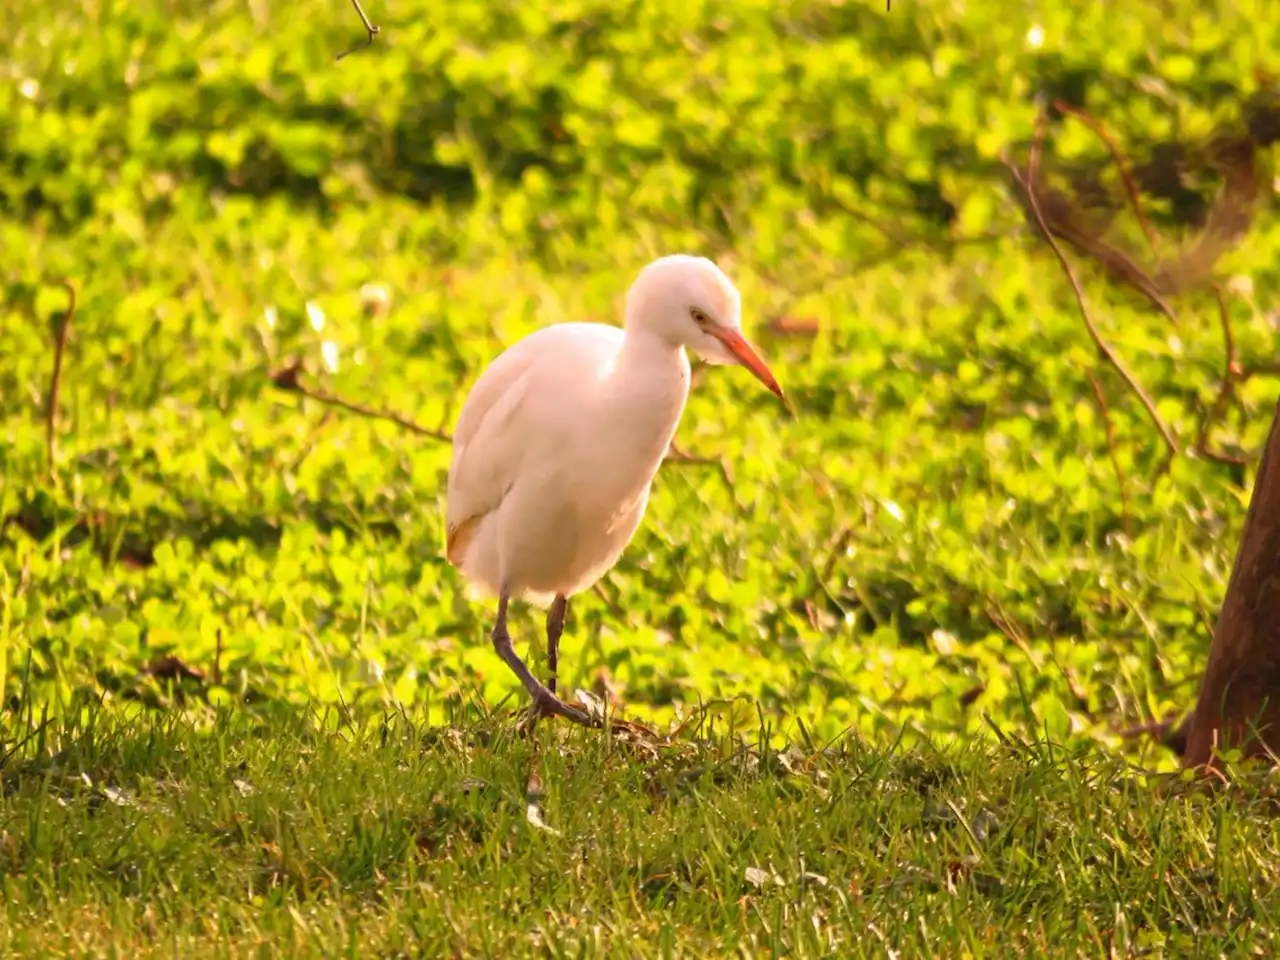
<point>688,301</point>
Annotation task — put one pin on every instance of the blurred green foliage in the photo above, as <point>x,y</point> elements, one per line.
<point>939,534</point>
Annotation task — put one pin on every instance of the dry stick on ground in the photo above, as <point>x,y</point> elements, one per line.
<point>1231,374</point>
<point>370,29</point>
<point>312,441</point>
<point>614,607</point>
<point>1111,449</point>
<point>1170,732</point>
<point>1126,174</point>
<point>1150,288</point>
<point>1104,348</point>
<point>1064,220</point>
<point>833,555</point>
<point>680,458</point>
<point>1011,630</point>
<point>59,347</point>
<point>289,379</point>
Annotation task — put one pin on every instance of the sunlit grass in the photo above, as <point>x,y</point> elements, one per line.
<point>361,834</point>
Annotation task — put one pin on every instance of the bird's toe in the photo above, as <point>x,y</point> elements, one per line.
<point>549,705</point>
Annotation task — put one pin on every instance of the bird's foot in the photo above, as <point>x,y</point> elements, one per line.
<point>547,704</point>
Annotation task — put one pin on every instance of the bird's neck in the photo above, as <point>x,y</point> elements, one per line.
<point>652,382</point>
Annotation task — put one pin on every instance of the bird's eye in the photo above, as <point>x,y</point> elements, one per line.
<point>699,317</point>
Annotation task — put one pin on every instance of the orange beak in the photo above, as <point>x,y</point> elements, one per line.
<point>747,356</point>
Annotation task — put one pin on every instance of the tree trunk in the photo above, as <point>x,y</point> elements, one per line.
<point>1239,704</point>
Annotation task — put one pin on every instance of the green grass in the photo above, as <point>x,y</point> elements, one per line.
<point>240,835</point>
<point>940,545</point>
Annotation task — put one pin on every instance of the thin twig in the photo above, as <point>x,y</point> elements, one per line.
<point>828,568</point>
<point>1010,628</point>
<point>1115,459</point>
<point>1231,374</point>
<point>1259,370</point>
<point>288,379</point>
<point>614,608</point>
<point>1147,286</point>
<point>369,29</point>
<point>1170,732</point>
<point>59,347</point>
<point>834,554</point>
<point>1094,124</point>
<point>312,439</point>
<point>1028,185</point>
<point>680,458</point>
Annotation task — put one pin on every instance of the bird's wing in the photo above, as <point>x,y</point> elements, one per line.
<point>487,450</point>
<point>500,424</point>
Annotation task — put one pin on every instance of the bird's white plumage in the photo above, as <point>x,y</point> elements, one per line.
<point>560,438</point>
<point>554,453</point>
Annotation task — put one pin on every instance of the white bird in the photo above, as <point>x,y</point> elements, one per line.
<point>560,438</point>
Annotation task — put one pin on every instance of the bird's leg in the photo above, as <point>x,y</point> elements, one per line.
<point>546,702</point>
<point>555,627</point>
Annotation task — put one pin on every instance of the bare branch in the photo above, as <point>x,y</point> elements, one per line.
<point>1084,232</point>
<point>1231,374</point>
<point>1028,185</point>
<point>288,379</point>
<point>1122,164</point>
<point>1170,732</point>
<point>1142,280</point>
<point>59,347</point>
<point>1111,450</point>
<point>680,458</point>
<point>1260,370</point>
<point>613,605</point>
<point>370,29</point>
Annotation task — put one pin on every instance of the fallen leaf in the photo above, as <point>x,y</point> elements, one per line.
<point>120,798</point>
<point>761,878</point>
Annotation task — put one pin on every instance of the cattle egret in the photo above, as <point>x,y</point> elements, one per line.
<point>559,440</point>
